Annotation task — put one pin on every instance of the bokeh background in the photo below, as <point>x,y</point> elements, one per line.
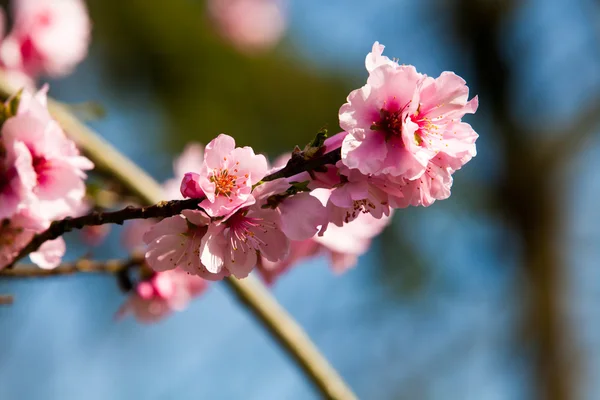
<point>491,294</point>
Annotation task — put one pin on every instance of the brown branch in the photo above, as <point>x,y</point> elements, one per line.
<point>84,265</point>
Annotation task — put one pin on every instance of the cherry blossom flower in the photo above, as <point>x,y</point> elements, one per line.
<point>401,119</point>
<point>47,163</point>
<point>175,242</point>
<point>48,37</point>
<point>233,245</point>
<point>161,294</point>
<point>251,25</point>
<point>228,175</point>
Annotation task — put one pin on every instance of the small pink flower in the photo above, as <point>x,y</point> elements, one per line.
<point>175,242</point>
<point>228,175</point>
<point>251,25</point>
<point>162,294</point>
<point>357,194</point>
<point>400,120</point>
<point>380,134</point>
<point>233,245</point>
<point>48,37</point>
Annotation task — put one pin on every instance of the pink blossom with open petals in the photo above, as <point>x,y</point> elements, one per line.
<point>380,134</point>
<point>228,175</point>
<point>161,294</point>
<point>357,194</point>
<point>175,242</point>
<point>233,245</point>
<point>46,161</point>
<point>48,37</point>
<point>401,119</point>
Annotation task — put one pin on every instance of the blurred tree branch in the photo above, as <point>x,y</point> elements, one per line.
<point>84,265</point>
<point>527,193</point>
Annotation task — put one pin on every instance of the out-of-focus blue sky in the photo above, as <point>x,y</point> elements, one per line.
<point>454,339</point>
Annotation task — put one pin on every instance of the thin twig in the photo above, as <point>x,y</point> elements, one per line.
<point>252,293</point>
<point>84,265</point>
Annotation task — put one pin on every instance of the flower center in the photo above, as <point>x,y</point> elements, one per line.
<point>225,182</point>
<point>41,166</point>
<point>360,206</point>
<point>245,232</point>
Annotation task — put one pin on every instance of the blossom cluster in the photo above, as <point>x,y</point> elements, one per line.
<point>403,139</point>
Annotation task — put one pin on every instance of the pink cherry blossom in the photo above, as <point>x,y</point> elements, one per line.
<point>161,294</point>
<point>48,37</point>
<point>47,163</point>
<point>380,133</point>
<point>233,245</point>
<point>228,175</point>
<point>356,194</point>
<point>251,25</point>
<point>401,119</point>
<point>175,242</point>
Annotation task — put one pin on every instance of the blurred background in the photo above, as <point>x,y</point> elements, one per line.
<point>491,294</point>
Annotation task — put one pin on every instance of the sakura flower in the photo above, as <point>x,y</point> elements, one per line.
<point>251,25</point>
<point>357,194</point>
<point>48,37</point>
<point>175,242</point>
<point>161,294</point>
<point>380,134</point>
<point>228,175</point>
<point>46,163</point>
<point>233,245</point>
<point>401,119</point>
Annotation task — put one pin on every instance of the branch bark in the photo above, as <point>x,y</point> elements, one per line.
<point>85,266</point>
